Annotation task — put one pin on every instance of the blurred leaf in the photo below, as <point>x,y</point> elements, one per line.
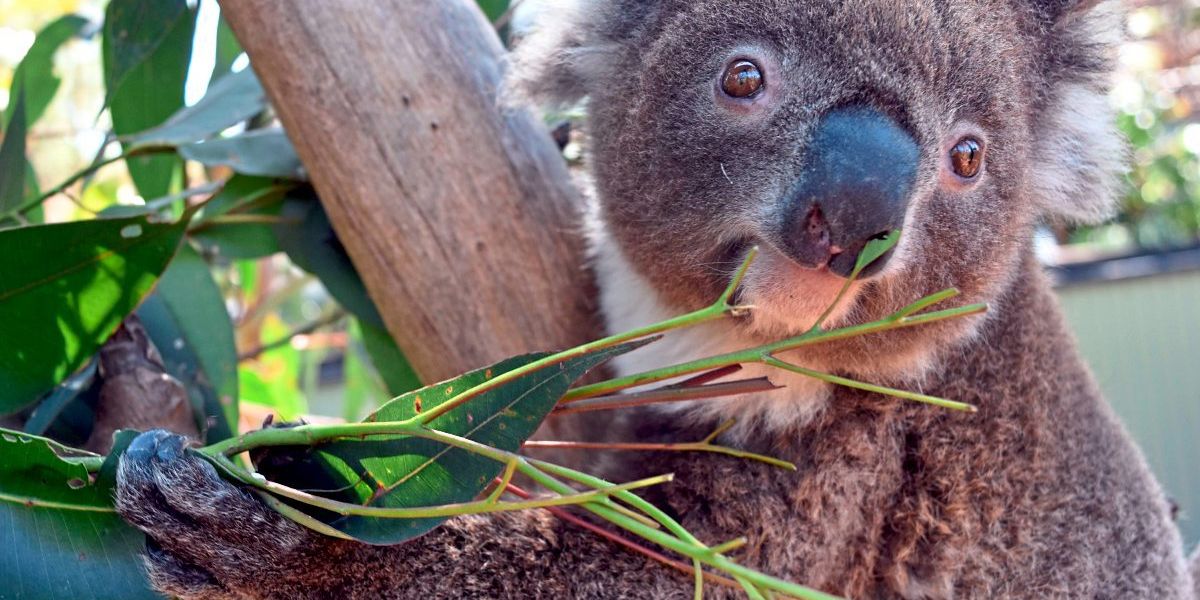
<point>243,191</point>
<point>35,78</point>
<point>13,164</point>
<point>59,535</point>
<point>240,241</point>
<point>388,360</point>
<point>273,378</point>
<point>493,8</point>
<point>64,289</point>
<point>146,76</point>
<point>188,323</point>
<point>134,32</point>
<point>53,405</point>
<point>361,386</point>
<point>413,472</point>
<point>228,102</point>
<point>264,152</point>
<point>228,49</point>
<point>244,196</point>
<point>34,215</point>
<point>313,246</point>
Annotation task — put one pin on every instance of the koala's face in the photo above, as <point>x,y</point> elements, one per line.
<point>809,127</point>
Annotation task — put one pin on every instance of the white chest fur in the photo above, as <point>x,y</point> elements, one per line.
<point>628,301</point>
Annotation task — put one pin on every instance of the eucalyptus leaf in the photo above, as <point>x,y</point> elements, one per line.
<point>35,78</point>
<point>188,323</point>
<point>263,152</point>
<point>414,472</point>
<point>134,30</point>
<point>147,53</point>
<point>59,534</point>
<point>314,246</point>
<point>230,101</point>
<point>53,405</point>
<point>389,361</point>
<point>64,289</point>
<point>243,196</point>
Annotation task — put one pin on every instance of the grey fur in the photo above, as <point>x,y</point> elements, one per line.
<point>1039,495</point>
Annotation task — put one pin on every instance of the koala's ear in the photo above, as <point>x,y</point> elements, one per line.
<point>1079,156</point>
<point>571,47</point>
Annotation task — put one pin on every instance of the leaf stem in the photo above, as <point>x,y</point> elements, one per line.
<point>858,385</point>
<point>754,355</point>
<point>717,310</point>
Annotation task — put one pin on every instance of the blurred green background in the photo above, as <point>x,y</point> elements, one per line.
<point>1131,288</point>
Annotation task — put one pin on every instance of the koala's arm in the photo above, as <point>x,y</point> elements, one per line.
<point>210,539</point>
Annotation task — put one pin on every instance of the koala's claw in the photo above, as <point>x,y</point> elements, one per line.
<point>206,534</point>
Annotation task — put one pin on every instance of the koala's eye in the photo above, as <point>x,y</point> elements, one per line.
<point>966,158</point>
<point>742,79</point>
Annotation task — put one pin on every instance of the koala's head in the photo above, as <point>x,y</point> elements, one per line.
<point>809,127</point>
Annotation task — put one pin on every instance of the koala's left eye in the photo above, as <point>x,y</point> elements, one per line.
<point>742,79</point>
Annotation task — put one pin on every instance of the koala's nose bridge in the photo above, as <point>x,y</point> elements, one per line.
<point>860,168</point>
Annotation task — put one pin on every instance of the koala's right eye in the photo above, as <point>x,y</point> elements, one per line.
<point>742,79</point>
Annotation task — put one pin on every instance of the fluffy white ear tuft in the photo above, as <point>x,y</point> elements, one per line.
<point>558,60</point>
<point>1080,157</point>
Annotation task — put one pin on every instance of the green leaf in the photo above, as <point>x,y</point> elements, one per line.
<point>875,249</point>
<point>264,152</point>
<point>134,31</point>
<point>388,359</point>
<point>35,78</point>
<point>59,534</point>
<point>230,101</point>
<point>13,164</point>
<point>314,246</point>
<point>413,472</point>
<point>53,405</point>
<point>147,53</point>
<point>64,289</point>
<point>188,323</point>
<point>242,195</point>
<point>493,9</point>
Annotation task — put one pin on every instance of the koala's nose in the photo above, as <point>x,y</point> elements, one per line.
<point>854,187</point>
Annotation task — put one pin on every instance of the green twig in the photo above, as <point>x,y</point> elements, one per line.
<point>858,385</point>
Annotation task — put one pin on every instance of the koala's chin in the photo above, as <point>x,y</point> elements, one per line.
<point>788,299</point>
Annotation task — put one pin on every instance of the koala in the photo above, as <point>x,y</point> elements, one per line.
<point>805,128</point>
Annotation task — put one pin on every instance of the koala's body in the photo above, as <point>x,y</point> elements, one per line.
<point>806,128</point>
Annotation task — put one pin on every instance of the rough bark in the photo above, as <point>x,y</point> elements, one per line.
<point>459,214</point>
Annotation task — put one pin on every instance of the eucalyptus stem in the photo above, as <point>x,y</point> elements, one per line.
<point>755,355</point>
<point>704,445</point>
<point>858,385</point>
<point>718,310</point>
<point>87,171</point>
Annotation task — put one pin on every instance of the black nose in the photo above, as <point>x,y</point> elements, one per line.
<point>859,170</point>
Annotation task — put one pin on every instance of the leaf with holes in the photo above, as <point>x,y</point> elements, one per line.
<point>400,471</point>
<point>64,289</point>
<point>59,534</point>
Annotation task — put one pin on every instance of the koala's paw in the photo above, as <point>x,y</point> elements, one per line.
<point>208,538</point>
